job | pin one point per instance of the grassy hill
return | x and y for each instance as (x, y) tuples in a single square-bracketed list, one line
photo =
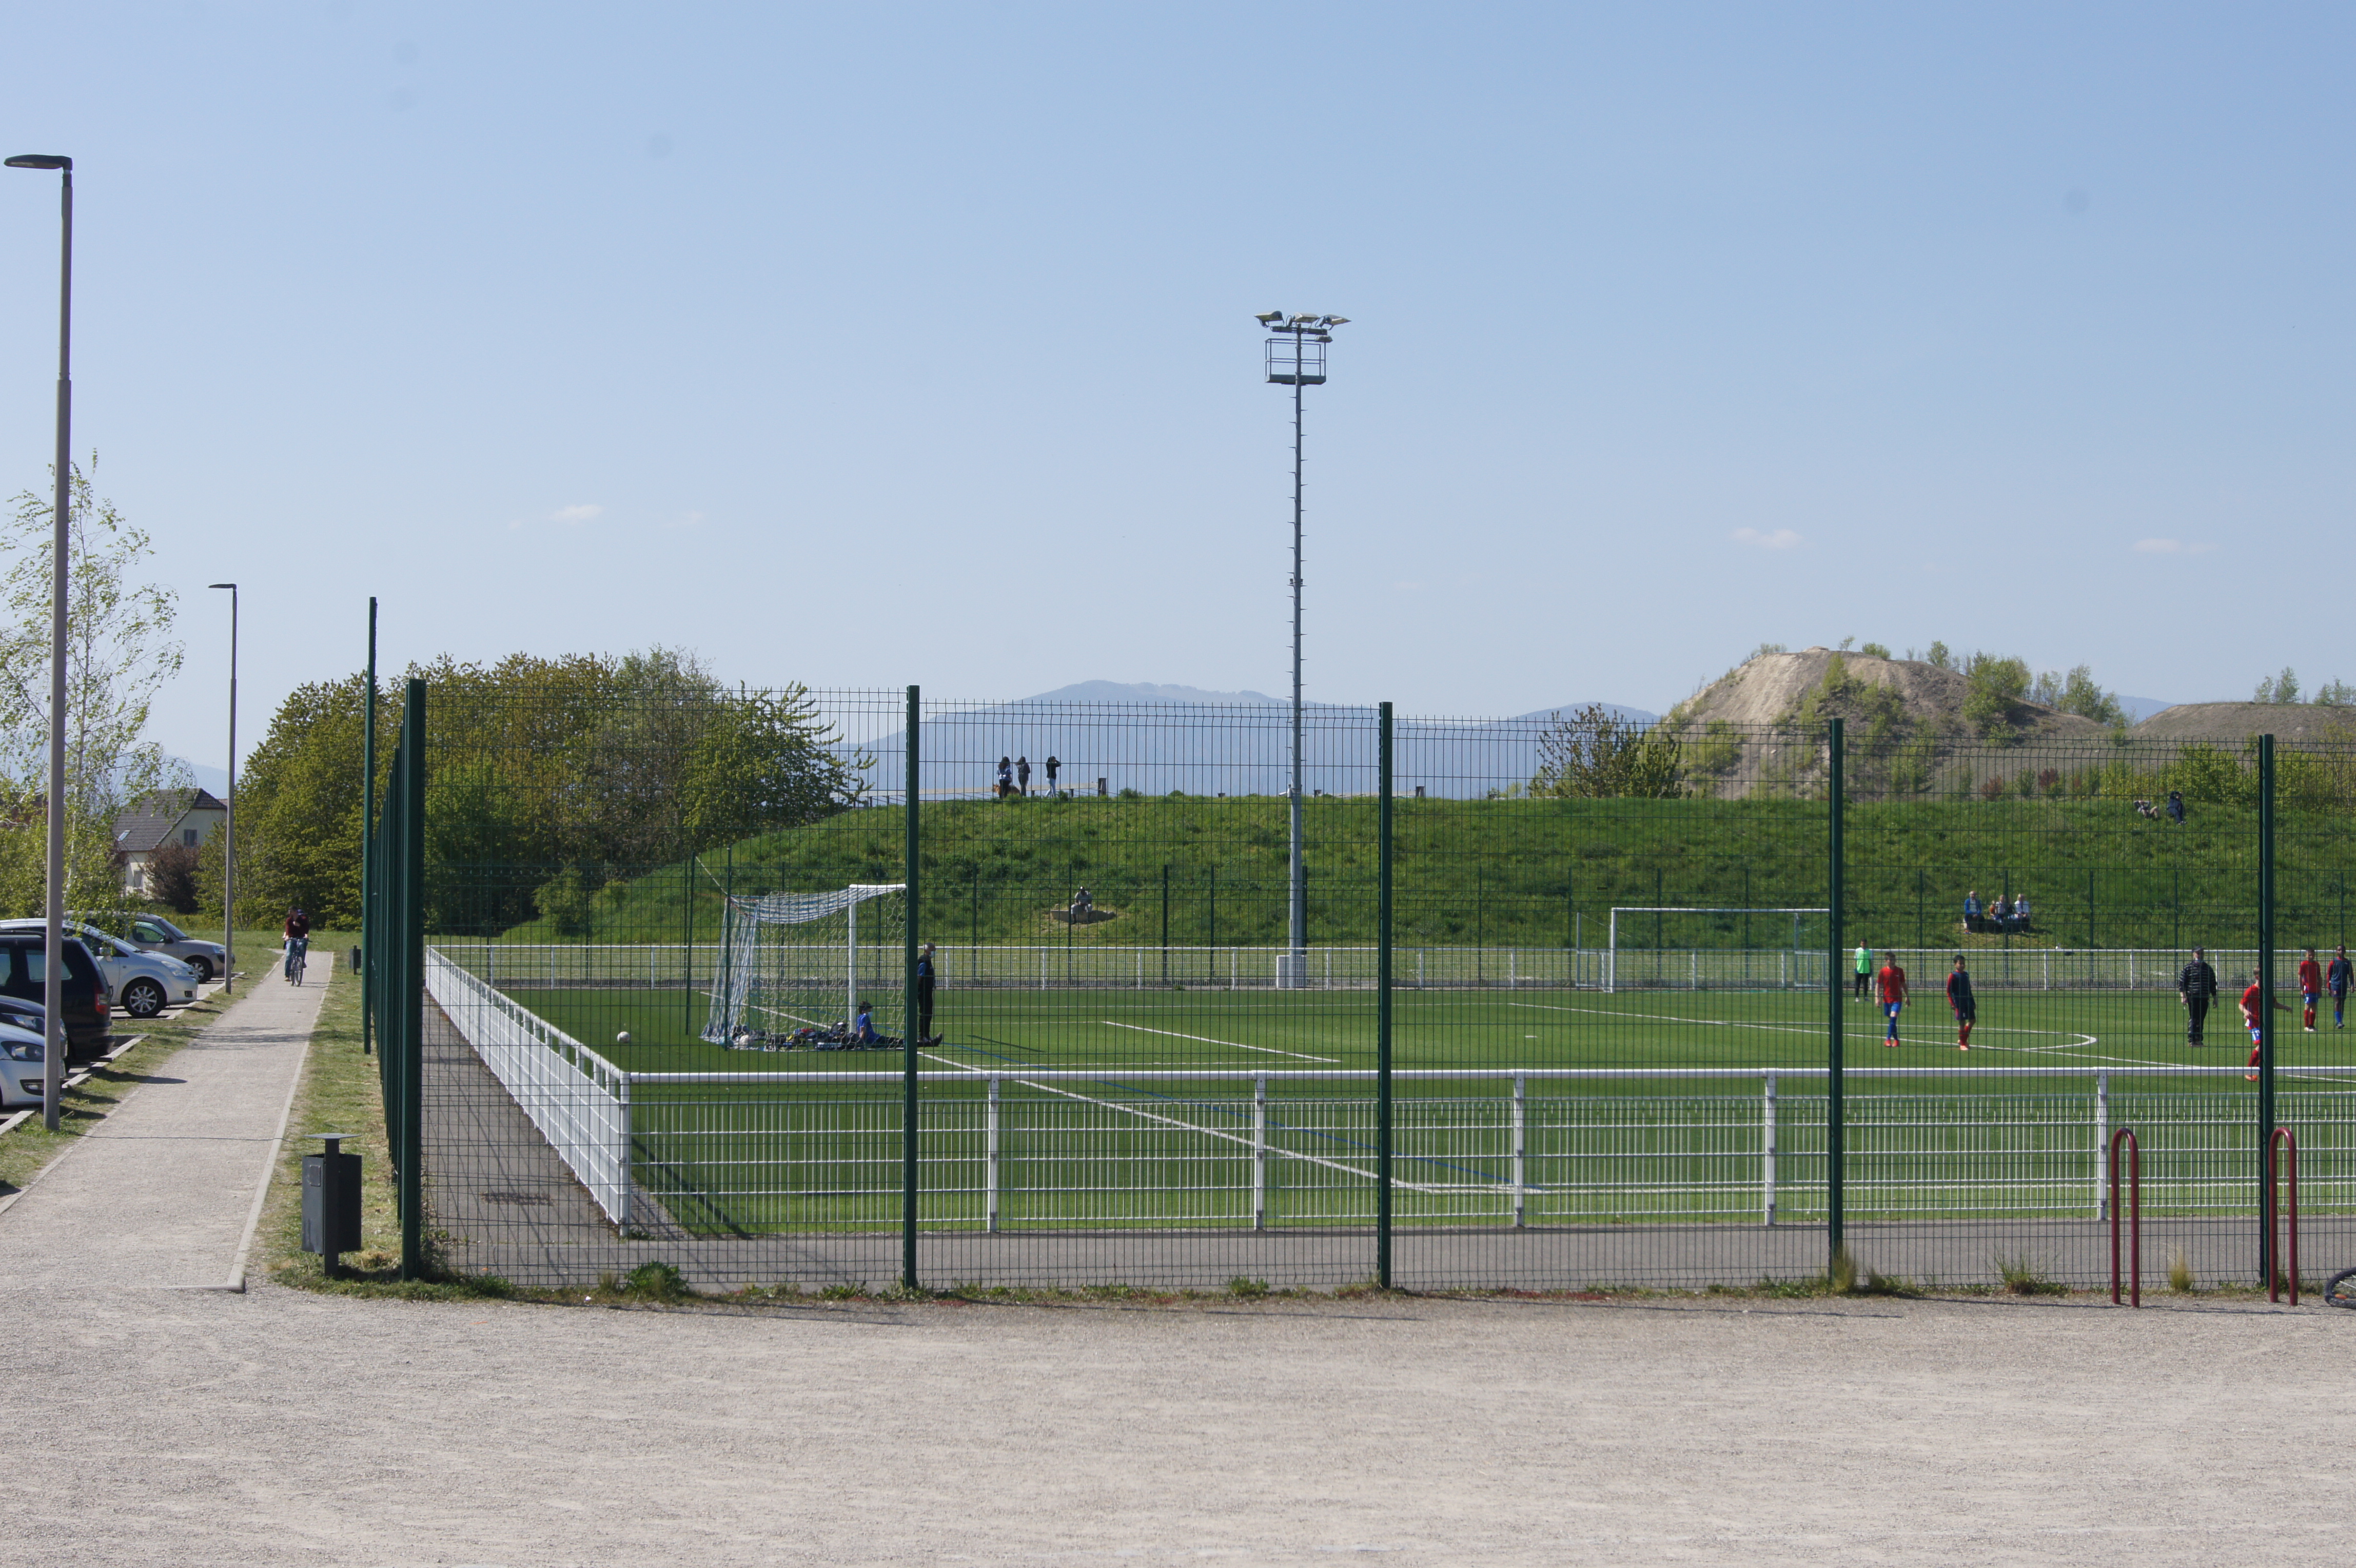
[(1519, 872)]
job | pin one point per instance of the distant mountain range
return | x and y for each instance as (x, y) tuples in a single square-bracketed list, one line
[(1156, 738)]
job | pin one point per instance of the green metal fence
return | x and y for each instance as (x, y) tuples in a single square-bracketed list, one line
[(1573, 1004)]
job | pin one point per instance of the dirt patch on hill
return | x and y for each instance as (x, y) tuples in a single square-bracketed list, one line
[(2231, 724), (1759, 726)]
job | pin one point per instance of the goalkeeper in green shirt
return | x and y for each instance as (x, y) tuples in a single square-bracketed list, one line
[(1864, 971)]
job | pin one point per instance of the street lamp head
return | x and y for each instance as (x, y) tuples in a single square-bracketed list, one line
[(40, 160)]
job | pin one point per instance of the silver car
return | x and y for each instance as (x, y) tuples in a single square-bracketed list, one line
[(156, 934), (141, 983), (21, 1065)]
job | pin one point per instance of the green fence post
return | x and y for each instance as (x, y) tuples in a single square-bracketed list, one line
[(409, 942), (1383, 1004), (368, 843), (908, 1146), (1836, 1131), (2266, 1263)]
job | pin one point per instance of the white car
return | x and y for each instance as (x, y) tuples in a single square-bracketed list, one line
[(141, 983), (21, 1066)]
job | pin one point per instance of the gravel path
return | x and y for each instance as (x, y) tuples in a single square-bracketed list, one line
[(200, 1427), (277, 1428)]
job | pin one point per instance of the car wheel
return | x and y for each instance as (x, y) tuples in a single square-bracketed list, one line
[(204, 968), (143, 999)]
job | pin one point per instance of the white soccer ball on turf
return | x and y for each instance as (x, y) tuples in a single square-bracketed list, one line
[(622, 1036)]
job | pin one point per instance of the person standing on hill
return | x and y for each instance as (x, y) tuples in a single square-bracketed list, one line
[(1864, 971), (2196, 988), (1005, 777), (1023, 774), (2335, 979), (2310, 987), (1959, 998), (1051, 765), (1893, 998)]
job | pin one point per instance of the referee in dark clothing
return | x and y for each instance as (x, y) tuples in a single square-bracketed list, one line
[(924, 975), (2196, 987)]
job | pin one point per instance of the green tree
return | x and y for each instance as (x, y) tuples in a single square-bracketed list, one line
[(1594, 754), (120, 650), (2282, 687), (1997, 688)]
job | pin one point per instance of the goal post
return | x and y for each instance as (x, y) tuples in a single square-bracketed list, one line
[(794, 960), (1611, 949)]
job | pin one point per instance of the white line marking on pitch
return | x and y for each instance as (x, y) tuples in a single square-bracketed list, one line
[(1206, 1039), (2070, 1041)]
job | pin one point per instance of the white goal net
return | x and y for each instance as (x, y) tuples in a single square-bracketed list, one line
[(790, 961)]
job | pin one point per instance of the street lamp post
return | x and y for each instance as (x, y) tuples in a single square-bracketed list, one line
[(229, 827), (1296, 358), (53, 1056)]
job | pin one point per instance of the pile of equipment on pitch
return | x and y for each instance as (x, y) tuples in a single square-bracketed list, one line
[(833, 1038)]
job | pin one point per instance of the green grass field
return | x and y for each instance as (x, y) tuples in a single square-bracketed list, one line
[(1682, 1140)]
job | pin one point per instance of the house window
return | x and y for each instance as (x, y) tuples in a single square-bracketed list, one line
[(188, 837)]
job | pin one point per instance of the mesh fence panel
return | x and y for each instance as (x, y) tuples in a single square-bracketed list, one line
[(1627, 1029)]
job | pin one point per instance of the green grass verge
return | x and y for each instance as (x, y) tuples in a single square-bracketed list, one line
[(27, 1150), (339, 1094)]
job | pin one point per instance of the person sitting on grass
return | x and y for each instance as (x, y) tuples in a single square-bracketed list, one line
[(2020, 914), (1972, 910), (862, 1029), (1959, 999)]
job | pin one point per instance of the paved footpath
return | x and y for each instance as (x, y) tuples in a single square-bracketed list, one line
[(161, 1194)]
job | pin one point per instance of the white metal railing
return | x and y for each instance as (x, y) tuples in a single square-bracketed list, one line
[(578, 1099), (1265, 1149)]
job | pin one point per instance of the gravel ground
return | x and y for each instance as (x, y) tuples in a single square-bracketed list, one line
[(197, 1427)]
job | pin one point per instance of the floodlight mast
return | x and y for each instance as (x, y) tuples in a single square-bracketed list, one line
[(1296, 358)]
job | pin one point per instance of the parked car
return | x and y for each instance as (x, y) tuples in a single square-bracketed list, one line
[(156, 934), (21, 1066), (141, 983), (88, 1011)]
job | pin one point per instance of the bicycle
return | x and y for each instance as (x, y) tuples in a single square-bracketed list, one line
[(2340, 1289), (297, 951)]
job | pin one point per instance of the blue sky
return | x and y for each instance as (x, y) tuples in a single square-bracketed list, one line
[(863, 345)]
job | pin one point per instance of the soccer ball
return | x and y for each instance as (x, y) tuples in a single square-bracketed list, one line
[(622, 1038)]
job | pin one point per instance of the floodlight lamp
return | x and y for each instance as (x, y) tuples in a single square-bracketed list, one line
[(40, 160), (1337, 321), (1268, 317)]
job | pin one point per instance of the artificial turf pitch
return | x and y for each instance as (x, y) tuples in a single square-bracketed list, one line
[(1683, 1141)]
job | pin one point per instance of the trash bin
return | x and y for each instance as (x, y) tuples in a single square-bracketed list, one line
[(331, 1200)]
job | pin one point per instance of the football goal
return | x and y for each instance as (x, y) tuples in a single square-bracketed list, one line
[(806, 960), (1690, 947)]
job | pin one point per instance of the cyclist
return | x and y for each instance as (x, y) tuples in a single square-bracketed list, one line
[(298, 942)]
